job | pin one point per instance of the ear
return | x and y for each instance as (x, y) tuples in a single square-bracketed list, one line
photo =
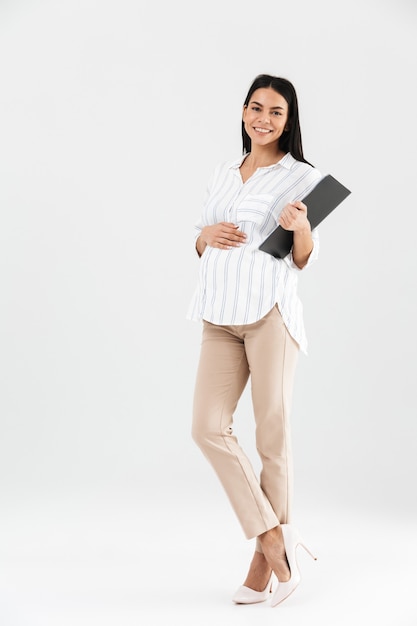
[(245, 108)]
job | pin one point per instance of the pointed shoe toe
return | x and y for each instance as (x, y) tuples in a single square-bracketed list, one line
[(246, 595)]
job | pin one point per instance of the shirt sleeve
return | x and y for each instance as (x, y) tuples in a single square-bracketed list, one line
[(289, 260), (197, 231), (198, 226)]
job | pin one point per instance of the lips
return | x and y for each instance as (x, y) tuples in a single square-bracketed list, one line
[(264, 131)]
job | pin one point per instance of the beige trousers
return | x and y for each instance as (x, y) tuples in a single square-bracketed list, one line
[(267, 353)]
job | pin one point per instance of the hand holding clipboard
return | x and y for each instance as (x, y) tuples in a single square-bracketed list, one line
[(320, 202)]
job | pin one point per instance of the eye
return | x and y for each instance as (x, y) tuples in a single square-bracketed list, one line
[(255, 108), (277, 113)]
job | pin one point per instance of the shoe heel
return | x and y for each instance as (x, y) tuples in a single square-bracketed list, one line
[(292, 540), (308, 551)]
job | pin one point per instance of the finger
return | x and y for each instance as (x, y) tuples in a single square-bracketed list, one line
[(221, 246), (230, 228), (239, 236), (283, 222), (289, 213), (229, 225), (226, 241), (288, 221), (234, 236), (300, 206)]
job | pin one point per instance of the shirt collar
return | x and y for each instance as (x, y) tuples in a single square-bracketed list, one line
[(287, 161)]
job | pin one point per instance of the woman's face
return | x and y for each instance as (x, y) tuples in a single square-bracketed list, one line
[(265, 116)]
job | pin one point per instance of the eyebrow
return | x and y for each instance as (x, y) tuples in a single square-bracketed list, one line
[(261, 105)]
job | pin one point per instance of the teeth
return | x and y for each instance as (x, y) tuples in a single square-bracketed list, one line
[(262, 130)]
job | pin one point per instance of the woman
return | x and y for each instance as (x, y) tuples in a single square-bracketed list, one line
[(253, 325)]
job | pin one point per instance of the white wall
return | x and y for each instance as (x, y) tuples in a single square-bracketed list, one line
[(113, 115)]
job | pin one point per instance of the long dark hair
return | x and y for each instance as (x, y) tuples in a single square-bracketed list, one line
[(290, 140)]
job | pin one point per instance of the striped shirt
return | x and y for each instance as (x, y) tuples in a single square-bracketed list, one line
[(241, 285)]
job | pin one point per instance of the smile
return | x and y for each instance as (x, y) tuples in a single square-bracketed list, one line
[(262, 130)]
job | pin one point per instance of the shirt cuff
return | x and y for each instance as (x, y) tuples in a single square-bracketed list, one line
[(197, 233)]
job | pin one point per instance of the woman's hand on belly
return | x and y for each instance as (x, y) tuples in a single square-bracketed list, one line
[(224, 235)]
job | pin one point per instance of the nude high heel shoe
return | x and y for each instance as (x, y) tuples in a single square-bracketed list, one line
[(246, 595), (292, 539)]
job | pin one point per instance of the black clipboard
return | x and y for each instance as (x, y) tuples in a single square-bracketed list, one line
[(320, 202)]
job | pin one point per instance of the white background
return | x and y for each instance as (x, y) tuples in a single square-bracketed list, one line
[(112, 117)]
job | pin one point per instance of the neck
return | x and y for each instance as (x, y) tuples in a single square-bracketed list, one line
[(264, 158)]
